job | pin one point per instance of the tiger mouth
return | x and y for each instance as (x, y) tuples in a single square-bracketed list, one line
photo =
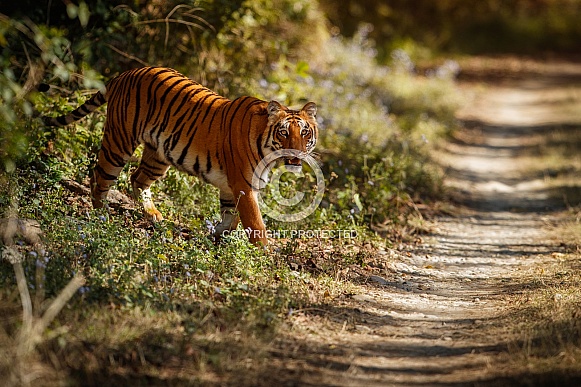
[(293, 162)]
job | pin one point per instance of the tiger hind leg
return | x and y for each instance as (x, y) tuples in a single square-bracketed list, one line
[(151, 168), (228, 213), (109, 165)]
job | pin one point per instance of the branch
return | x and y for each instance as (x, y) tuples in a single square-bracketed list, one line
[(126, 55), (57, 305)]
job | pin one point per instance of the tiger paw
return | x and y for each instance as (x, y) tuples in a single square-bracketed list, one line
[(153, 214)]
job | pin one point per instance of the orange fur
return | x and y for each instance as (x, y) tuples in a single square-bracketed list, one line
[(188, 126)]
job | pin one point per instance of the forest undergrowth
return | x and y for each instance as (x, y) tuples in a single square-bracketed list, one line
[(163, 301)]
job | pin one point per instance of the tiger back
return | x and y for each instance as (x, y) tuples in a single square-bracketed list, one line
[(186, 125)]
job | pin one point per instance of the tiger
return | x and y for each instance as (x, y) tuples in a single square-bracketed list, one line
[(190, 127)]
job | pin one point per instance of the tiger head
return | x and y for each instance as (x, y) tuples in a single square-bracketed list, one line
[(292, 129)]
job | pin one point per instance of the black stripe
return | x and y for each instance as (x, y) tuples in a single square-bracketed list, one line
[(198, 109), (104, 174), (62, 120), (252, 157), (239, 102), (194, 127), (168, 110), (226, 203), (191, 111), (88, 107), (153, 109), (135, 127), (217, 155), (113, 158), (151, 167), (259, 145), (208, 163), (121, 141), (210, 109), (151, 175)]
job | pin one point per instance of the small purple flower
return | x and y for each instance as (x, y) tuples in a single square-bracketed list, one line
[(83, 289)]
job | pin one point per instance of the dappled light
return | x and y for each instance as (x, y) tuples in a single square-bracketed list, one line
[(443, 244)]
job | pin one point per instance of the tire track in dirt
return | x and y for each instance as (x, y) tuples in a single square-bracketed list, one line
[(441, 314)]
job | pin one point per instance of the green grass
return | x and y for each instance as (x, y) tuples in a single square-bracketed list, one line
[(166, 288), (156, 291)]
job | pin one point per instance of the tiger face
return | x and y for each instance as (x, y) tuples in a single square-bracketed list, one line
[(292, 129)]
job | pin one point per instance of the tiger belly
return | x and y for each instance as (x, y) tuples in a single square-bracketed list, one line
[(218, 179), (198, 164)]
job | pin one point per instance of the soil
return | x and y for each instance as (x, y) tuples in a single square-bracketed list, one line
[(443, 313)]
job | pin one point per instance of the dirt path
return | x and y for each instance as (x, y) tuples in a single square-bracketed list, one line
[(441, 314)]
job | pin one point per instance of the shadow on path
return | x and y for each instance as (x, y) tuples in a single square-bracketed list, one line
[(442, 314)]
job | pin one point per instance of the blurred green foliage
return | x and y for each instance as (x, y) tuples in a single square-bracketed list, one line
[(460, 26), (210, 40)]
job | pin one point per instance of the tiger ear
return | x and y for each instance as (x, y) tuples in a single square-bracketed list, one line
[(273, 108), (310, 109)]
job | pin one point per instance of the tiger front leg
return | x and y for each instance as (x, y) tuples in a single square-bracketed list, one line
[(251, 217), (229, 215)]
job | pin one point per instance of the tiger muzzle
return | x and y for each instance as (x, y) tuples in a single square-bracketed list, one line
[(293, 161), (293, 164)]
